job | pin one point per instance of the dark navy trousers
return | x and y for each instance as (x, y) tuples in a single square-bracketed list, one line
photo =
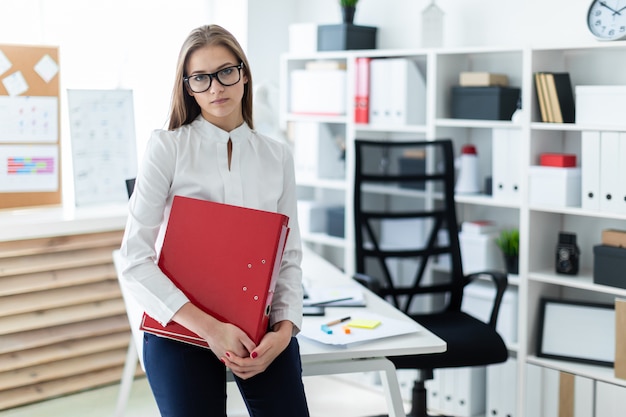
[(189, 381)]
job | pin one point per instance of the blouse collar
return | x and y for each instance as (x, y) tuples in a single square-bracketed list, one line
[(239, 134)]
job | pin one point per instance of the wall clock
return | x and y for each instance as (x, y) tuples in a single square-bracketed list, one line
[(606, 19)]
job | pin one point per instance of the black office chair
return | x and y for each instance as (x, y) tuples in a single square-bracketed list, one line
[(401, 230)]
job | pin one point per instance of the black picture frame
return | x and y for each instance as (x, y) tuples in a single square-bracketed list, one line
[(576, 331)]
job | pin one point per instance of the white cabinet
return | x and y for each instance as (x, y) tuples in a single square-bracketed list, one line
[(506, 151)]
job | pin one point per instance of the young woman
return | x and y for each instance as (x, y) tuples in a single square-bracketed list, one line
[(210, 151)]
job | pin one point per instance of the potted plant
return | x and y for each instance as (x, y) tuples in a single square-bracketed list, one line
[(508, 242), (348, 7)]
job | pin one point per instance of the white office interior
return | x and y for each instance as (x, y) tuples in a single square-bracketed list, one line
[(133, 45)]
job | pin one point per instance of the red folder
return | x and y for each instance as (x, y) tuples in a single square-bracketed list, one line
[(362, 90), (226, 260)]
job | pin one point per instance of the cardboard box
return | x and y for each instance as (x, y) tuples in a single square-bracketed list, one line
[(553, 186), (482, 79), (316, 153), (613, 237), (479, 252), (345, 36), (312, 216), (485, 103), (609, 264), (557, 160), (318, 92), (600, 104)]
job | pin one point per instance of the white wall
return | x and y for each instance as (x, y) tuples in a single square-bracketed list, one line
[(134, 43), (467, 22)]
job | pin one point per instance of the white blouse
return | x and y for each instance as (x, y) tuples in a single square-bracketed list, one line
[(192, 161)]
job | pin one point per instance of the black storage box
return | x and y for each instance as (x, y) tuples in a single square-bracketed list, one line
[(412, 166), (345, 36), (609, 266), (485, 103), (335, 221)]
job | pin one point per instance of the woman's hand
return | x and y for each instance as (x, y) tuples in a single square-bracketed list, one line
[(272, 345), (223, 338)]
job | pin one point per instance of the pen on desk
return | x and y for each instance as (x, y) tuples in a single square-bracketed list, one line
[(332, 323), (322, 303)]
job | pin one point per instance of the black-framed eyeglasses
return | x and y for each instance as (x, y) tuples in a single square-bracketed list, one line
[(199, 83)]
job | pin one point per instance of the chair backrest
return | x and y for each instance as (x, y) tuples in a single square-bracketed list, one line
[(405, 221), (133, 310)]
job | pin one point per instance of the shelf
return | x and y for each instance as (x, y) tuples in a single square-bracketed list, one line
[(291, 117), (588, 64), (395, 191), (324, 239), (484, 124), (573, 127), (330, 184), (600, 373), (390, 128), (485, 200), (577, 211), (583, 281)]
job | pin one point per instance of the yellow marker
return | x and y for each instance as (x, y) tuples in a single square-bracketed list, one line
[(364, 323)]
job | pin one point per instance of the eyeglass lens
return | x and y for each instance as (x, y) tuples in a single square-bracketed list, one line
[(202, 82)]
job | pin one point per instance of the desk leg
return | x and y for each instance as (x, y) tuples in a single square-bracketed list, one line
[(128, 376), (382, 365)]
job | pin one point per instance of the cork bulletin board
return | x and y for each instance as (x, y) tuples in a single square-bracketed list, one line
[(30, 146)]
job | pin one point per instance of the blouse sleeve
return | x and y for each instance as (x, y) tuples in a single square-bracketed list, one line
[(287, 303), (147, 209)]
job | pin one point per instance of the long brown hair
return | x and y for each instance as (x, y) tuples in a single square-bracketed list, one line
[(184, 109)]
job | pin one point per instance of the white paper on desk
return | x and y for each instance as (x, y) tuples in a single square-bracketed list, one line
[(388, 327), (350, 294)]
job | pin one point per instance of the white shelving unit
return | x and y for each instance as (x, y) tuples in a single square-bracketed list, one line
[(591, 64)]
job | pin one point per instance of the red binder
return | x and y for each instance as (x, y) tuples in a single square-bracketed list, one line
[(226, 260), (362, 90)]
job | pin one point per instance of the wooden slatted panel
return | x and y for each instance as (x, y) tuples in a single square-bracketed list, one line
[(64, 350), (54, 261), (63, 324), (58, 316), (59, 243), (60, 297), (39, 392), (17, 342), (40, 281), (62, 369)]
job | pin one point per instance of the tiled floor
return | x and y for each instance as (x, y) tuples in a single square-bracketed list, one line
[(328, 396)]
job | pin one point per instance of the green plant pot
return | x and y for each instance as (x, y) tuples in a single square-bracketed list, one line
[(512, 264), (347, 12)]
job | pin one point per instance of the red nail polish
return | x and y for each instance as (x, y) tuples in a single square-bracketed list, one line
[(228, 354), (222, 359), (254, 355)]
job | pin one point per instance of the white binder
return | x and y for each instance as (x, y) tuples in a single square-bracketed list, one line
[(590, 170), (609, 169), (502, 389), (380, 95), (506, 164), (397, 92), (610, 400), (621, 191)]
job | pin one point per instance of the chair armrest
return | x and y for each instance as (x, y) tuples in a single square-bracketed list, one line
[(500, 281)]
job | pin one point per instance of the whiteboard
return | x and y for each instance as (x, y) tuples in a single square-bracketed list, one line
[(104, 151)]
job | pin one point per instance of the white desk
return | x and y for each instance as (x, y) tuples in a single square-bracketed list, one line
[(321, 359)]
